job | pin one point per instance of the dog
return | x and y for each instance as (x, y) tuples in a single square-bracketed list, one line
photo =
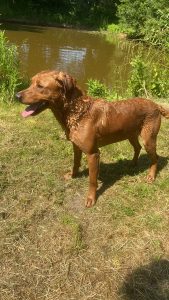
[(91, 123)]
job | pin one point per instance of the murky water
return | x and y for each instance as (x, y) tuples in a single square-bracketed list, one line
[(82, 54)]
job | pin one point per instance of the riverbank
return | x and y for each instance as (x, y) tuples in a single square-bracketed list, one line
[(127, 69), (45, 24), (65, 14), (147, 21)]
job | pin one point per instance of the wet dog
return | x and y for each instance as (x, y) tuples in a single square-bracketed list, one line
[(92, 123)]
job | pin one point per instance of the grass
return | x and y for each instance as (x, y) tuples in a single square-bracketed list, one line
[(9, 74), (51, 247)]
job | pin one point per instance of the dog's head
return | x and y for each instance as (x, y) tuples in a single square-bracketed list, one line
[(46, 89)]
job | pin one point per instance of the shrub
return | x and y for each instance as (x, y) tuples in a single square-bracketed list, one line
[(159, 83), (146, 19), (114, 28), (156, 29), (147, 78), (132, 15), (9, 72), (139, 77), (98, 89)]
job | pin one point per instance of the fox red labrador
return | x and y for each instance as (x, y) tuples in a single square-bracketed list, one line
[(92, 123)]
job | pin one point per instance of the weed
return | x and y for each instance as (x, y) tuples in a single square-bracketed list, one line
[(148, 78), (77, 230), (98, 89), (9, 73)]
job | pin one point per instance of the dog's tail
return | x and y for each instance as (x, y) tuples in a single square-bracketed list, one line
[(164, 110)]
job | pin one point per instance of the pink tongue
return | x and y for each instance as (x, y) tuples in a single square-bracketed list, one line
[(27, 113), (29, 110)]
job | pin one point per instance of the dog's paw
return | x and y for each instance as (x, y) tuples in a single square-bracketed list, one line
[(89, 202), (150, 178), (68, 176)]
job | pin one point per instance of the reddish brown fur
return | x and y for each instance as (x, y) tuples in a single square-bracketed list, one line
[(92, 123)]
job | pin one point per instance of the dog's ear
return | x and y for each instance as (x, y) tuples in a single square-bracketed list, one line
[(66, 80)]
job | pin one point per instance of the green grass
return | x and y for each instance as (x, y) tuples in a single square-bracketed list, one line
[(51, 246), (9, 74)]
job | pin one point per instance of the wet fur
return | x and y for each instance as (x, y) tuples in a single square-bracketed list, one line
[(92, 123)]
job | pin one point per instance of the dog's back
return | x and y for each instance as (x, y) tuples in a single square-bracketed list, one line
[(120, 120)]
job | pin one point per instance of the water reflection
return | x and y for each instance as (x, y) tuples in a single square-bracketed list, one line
[(83, 54), (70, 58)]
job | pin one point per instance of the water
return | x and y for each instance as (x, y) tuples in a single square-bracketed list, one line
[(82, 54)]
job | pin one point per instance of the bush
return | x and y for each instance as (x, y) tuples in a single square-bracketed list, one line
[(98, 89), (148, 78), (146, 19), (132, 15), (139, 77), (156, 29), (114, 28), (95, 13), (9, 72)]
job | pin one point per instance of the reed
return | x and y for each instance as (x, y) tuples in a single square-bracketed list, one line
[(9, 69)]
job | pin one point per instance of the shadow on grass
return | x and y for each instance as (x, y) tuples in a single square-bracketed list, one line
[(150, 282), (112, 172)]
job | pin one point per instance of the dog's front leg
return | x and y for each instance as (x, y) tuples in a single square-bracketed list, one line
[(76, 163), (93, 163), (77, 160)]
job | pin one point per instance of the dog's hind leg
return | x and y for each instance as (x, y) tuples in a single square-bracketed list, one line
[(93, 163), (137, 147), (149, 135), (150, 147)]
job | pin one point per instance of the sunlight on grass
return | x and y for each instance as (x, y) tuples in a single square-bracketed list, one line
[(50, 244)]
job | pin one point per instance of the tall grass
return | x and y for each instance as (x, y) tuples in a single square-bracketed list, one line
[(9, 69), (149, 73)]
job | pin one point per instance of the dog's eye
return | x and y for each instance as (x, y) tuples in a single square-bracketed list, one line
[(39, 86)]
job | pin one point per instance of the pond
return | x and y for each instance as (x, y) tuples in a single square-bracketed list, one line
[(83, 54)]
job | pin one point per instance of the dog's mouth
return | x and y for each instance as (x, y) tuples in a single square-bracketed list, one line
[(34, 109)]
